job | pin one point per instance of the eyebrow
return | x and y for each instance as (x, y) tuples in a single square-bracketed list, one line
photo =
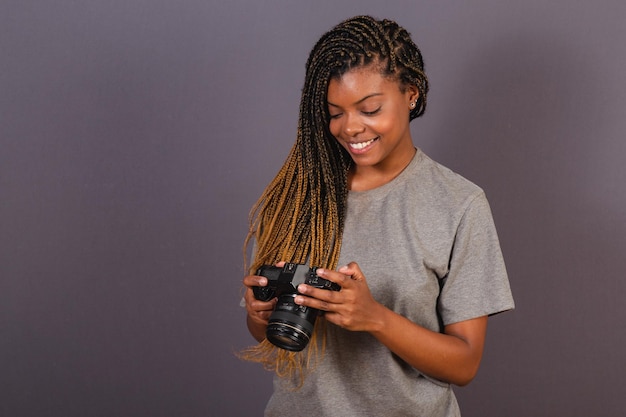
[(359, 101)]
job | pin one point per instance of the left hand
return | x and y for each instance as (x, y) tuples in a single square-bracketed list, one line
[(352, 308)]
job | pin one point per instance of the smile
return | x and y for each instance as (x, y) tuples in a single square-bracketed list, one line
[(361, 145)]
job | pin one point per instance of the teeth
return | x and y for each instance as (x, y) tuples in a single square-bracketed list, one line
[(361, 145)]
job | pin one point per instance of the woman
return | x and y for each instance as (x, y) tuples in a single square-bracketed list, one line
[(411, 244)]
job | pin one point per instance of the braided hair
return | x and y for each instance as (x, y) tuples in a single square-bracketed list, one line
[(299, 217)]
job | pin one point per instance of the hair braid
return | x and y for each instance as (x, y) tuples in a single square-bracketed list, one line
[(300, 216)]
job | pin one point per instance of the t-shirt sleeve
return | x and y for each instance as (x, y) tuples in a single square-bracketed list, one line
[(477, 283)]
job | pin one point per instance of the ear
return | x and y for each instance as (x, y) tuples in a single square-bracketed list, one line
[(412, 93)]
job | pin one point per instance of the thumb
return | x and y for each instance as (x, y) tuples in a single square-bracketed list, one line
[(353, 271)]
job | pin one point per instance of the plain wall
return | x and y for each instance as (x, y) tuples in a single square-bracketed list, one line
[(135, 136)]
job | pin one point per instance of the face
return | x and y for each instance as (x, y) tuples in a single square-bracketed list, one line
[(369, 116)]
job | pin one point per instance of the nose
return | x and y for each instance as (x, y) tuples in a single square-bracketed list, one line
[(352, 125)]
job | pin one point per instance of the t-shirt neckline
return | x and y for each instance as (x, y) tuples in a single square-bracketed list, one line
[(400, 178)]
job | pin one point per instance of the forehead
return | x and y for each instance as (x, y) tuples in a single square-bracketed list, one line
[(360, 82)]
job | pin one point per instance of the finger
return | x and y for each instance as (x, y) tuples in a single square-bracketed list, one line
[(337, 277), (319, 293), (255, 305), (254, 281), (353, 270), (249, 297), (264, 315), (316, 303)]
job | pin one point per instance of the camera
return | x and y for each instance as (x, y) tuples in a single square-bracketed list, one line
[(290, 325)]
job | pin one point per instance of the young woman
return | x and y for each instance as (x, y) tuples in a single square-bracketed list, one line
[(411, 244)]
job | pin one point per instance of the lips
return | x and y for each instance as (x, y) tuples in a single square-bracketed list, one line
[(359, 146)]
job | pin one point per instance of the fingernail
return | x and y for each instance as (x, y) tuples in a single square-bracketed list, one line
[(298, 300)]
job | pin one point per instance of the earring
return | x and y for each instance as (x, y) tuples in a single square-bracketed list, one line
[(412, 105)]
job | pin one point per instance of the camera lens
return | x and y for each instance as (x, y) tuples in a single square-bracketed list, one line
[(290, 325)]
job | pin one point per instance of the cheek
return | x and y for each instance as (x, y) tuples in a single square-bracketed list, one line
[(381, 126), (334, 127)]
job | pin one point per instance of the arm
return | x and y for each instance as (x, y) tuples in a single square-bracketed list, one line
[(452, 356)]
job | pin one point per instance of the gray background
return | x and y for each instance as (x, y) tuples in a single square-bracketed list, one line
[(136, 134)]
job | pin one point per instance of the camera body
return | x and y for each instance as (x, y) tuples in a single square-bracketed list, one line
[(290, 325)]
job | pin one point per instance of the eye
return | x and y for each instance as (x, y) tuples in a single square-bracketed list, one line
[(371, 113), (335, 116)]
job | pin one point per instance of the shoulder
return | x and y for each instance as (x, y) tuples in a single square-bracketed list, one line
[(441, 186)]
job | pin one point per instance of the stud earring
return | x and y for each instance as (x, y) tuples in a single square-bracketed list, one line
[(412, 105)]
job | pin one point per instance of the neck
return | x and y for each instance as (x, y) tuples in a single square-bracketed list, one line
[(363, 178)]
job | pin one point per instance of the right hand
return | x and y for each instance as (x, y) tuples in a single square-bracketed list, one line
[(258, 311)]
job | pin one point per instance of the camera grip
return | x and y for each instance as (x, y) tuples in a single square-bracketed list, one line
[(263, 293)]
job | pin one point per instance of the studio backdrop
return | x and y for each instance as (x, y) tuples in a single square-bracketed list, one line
[(136, 135)]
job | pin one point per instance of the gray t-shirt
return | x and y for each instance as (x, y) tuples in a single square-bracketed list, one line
[(428, 247)]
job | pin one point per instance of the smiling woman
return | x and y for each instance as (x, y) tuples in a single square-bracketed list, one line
[(411, 244), (369, 116)]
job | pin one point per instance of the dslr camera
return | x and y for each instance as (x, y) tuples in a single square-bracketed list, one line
[(290, 325)]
